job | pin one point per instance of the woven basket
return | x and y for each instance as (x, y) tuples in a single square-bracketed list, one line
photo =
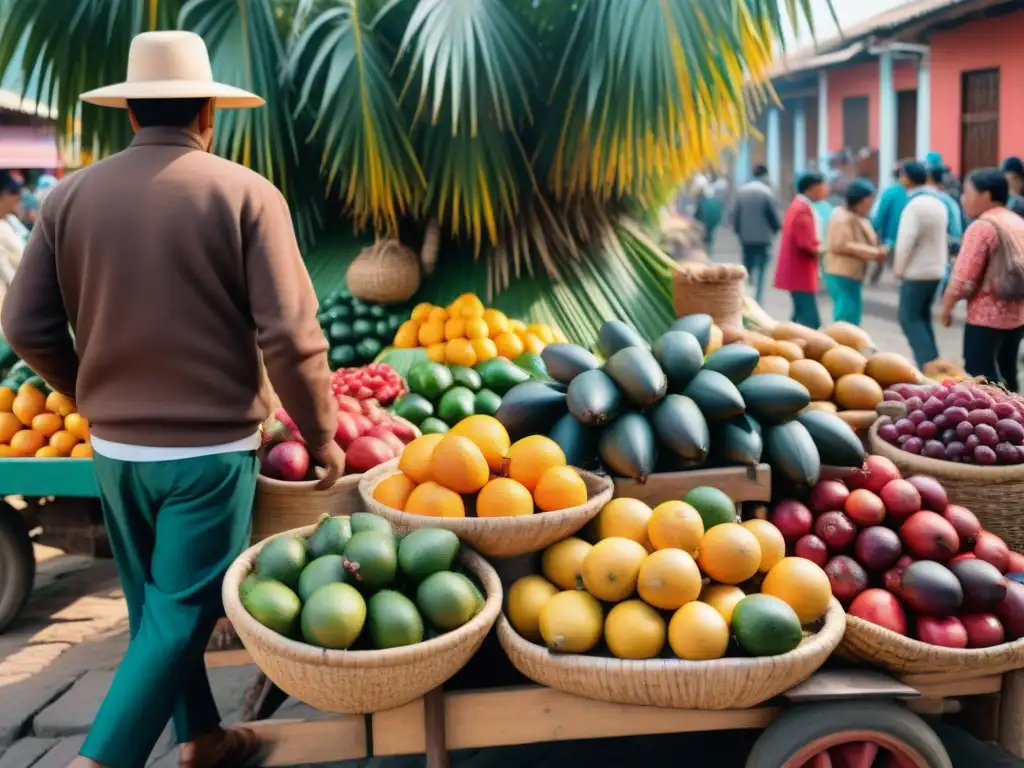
[(718, 684), (903, 655), (496, 536), (994, 494), (715, 290), (358, 682), (282, 506)]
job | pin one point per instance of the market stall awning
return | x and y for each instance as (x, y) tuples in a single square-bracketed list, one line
[(28, 148)]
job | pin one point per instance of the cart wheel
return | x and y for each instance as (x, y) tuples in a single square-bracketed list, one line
[(858, 734), (17, 565)]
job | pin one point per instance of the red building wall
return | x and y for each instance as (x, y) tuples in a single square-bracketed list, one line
[(862, 80)]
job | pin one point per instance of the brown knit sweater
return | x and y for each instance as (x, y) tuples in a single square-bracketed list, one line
[(175, 269)]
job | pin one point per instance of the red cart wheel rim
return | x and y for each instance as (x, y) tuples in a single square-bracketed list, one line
[(857, 749)]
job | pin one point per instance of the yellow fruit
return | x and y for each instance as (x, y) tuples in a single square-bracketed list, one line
[(773, 546), (47, 424), (408, 335), (472, 308), (421, 312), (436, 352), (669, 579), (509, 345), (476, 328), (560, 488), (611, 568), (526, 597), (455, 328), (502, 497), (432, 500), (26, 442), (697, 632), (437, 315), (628, 518), (531, 457), (517, 326), (496, 321), (634, 630), (675, 524), (729, 553), (10, 425), (723, 598), (81, 451), (485, 349), (489, 435), (47, 452), (6, 399), (77, 425), (28, 403), (560, 338), (533, 345), (431, 332), (562, 563), (394, 491), (802, 584), (571, 622), (542, 332), (458, 464), (6, 452), (414, 462), (64, 442), (460, 352)]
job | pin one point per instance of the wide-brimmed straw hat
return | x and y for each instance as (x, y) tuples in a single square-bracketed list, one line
[(170, 65)]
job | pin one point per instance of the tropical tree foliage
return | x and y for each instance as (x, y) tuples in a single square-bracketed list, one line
[(537, 133)]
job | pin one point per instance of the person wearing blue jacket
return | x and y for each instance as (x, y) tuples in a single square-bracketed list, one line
[(886, 219), (955, 229)]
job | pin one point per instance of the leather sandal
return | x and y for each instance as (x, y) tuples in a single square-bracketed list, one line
[(241, 745)]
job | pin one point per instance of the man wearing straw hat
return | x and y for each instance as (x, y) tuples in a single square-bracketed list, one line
[(177, 271)]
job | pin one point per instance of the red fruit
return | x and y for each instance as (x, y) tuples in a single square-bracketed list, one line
[(792, 519), (350, 404), (1011, 610), (288, 461), (901, 499), (877, 548), (948, 632), (930, 536), (983, 630), (877, 471), (836, 530), (366, 453), (881, 608), (964, 523), (347, 430), (363, 423), (893, 575), (377, 417), (847, 578), (404, 430), (1015, 563), (368, 403), (963, 556), (829, 495), (992, 549), (383, 433), (810, 547), (865, 508)]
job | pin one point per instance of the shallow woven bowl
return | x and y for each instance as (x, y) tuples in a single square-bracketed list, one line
[(720, 684), (357, 682), (496, 536), (282, 506), (906, 656)]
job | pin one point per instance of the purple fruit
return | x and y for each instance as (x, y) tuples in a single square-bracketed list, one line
[(888, 432), (892, 396), (947, 436), (917, 417), (986, 434), (877, 548), (983, 585), (1004, 410), (983, 416), (955, 451), (906, 427), (1007, 454), (927, 430), (956, 414), (902, 440), (942, 421), (1009, 431), (964, 430), (983, 454), (933, 449), (931, 589), (914, 445), (971, 443), (950, 399), (932, 407), (914, 403)]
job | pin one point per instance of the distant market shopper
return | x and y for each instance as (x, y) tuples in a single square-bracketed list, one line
[(167, 230), (755, 219), (886, 218), (799, 250), (11, 242), (1013, 169), (850, 246)]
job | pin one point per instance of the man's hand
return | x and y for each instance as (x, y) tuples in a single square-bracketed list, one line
[(946, 317), (332, 459)]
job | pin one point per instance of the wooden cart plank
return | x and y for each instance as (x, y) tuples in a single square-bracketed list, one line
[(301, 742), (1011, 713), (739, 483), (534, 714), (951, 688), (849, 684)]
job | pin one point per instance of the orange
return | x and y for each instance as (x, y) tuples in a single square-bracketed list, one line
[(729, 553), (517, 326), (436, 353), (533, 344), (77, 425), (432, 500), (431, 332), (47, 424), (63, 441), (60, 404), (773, 546), (81, 451), (723, 598), (497, 322), (531, 457), (560, 488), (476, 329), (454, 329), (634, 630), (28, 404), (562, 562), (542, 332), (26, 442), (47, 452), (697, 632), (611, 568), (6, 452), (489, 435), (6, 399), (802, 584), (10, 425), (421, 312), (458, 464), (509, 345), (485, 349), (394, 491), (502, 497), (675, 524), (460, 352), (470, 306), (414, 462), (669, 579), (408, 335), (624, 517), (438, 315)]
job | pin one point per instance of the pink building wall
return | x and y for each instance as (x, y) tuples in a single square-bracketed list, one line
[(984, 44), (862, 80)]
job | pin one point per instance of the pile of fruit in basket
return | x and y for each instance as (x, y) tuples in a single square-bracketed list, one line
[(967, 422), (377, 381), (356, 330), (466, 333), (899, 555), (33, 424), (674, 407), (686, 573), (476, 470), (352, 585)]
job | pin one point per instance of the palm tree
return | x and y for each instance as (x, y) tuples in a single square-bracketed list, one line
[(539, 134)]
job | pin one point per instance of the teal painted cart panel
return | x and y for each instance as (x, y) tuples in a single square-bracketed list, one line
[(48, 477)]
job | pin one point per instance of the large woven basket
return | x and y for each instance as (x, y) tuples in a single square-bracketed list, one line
[(716, 290), (388, 272), (906, 656), (357, 682), (994, 494), (281, 506), (720, 684), (496, 536)]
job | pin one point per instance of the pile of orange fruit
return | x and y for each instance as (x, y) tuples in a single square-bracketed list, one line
[(476, 470), (44, 426)]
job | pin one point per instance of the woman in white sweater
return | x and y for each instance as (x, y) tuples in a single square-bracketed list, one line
[(921, 253)]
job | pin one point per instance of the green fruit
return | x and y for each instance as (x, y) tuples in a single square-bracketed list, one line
[(627, 447), (364, 521), (682, 428), (431, 380), (328, 569), (359, 309), (395, 322), (373, 559), (530, 408), (368, 348), (447, 600), (734, 361), (772, 397), (362, 328), (680, 356), (698, 325), (764, 625), (333, 616), (376, 310), (432, 426), (282, 559), (615, 335), (273, 605), (837, 443), (486, 402), (533, 365), (791, 451), (393, 620), (500, 375), (413, 408), (342, 311), (456, 404), (593, 398), (340, 332), (383, 330), (564, 362), (427, 551), (714, 506), (246, 586), (341, 357), (636, 372), (738, 441), (331, 314), (715, 395), (577, 441), (465, 377), (329, 537)]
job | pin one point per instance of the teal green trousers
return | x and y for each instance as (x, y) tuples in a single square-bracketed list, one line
[(174, 528), (847, 298)]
